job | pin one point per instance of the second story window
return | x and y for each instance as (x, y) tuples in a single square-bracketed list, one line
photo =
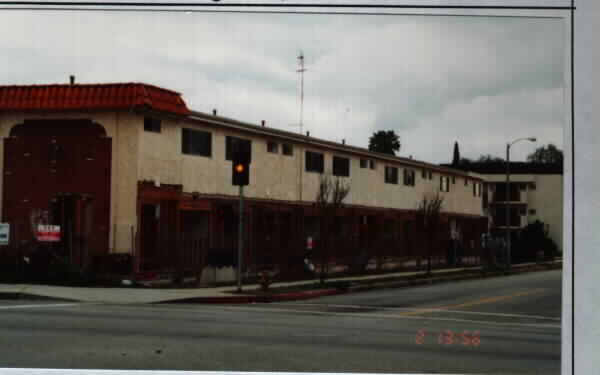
[(314, 162), (409, 177), (391, 175), (372, 164), (152, 124), (364, 163), (430, 175), (444, 185), (423, 174), (272, 147), (341, 166), (232, 143), (287, 149), (196, 142)]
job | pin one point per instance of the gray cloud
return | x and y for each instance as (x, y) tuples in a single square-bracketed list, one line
[(433, 80)]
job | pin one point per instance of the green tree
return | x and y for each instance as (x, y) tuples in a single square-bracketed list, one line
[(489, 158), (456, 157), (549, 154), (385, 142)]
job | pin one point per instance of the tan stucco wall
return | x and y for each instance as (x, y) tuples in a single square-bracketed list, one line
[(123, 166), (275, 176), (547, 200)]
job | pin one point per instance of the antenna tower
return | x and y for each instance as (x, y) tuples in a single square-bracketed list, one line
[(301, 70)]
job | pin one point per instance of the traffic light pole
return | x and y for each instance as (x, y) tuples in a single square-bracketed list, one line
[(240, 240)]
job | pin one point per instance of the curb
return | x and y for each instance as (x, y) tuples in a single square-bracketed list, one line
[(282, 297), (20, 295)]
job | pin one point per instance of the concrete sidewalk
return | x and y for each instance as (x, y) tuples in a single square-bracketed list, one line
[(131, 295)]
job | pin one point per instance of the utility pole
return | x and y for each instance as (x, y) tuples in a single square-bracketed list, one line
[(240, 240)]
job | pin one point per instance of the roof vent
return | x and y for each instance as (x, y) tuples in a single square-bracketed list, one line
[(72, 80), (307, 133), (343, 141), (214, 112), (262, 122)]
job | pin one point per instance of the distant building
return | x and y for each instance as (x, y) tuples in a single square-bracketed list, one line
[(145, 176), (536, 193)]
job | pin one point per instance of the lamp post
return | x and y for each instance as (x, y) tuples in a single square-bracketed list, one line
[(507, 198)]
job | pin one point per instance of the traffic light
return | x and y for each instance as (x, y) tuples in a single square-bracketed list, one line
[(240, 168)]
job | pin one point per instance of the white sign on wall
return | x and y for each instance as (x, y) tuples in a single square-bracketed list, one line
[(4, 233)]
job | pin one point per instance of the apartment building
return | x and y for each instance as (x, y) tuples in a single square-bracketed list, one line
[(535, 193), (127, 168)]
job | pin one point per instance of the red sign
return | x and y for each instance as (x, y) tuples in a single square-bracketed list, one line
[(309, 243), (48, 233)]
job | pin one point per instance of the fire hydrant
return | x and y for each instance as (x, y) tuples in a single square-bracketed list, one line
[(264, 280)]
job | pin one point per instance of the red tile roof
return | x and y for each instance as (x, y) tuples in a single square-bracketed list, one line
[(108, 96)]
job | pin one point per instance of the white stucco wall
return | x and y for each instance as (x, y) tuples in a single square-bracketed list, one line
[(276, 176)]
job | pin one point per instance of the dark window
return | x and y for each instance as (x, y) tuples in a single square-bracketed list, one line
[(532, 212), (341, 166), (287, 149), (364, 163), (430, 175), (391, 175), (314, 162), (424, 174), (372, 164), (409, 177), (272, 147), (234, 142), (453, 180), (532, 186), (152, 124), (196, 142)]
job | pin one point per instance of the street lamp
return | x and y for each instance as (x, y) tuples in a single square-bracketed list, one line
[(507, 220)]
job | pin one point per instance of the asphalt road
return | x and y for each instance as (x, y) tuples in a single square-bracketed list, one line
[(493, 326)]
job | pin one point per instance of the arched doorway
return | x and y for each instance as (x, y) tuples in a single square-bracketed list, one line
[(48, 160)]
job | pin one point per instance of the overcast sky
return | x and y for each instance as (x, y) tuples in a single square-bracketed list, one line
[(434, 80)]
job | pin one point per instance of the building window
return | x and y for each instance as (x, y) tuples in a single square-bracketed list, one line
[(430, 175), (314, 162), (477, 189), (364, 163), (233, 143), (152, 124), (272, 147), (532, 186), (196, 142), (341, 166), (287, 149), (444, 185), (409, 177), (532, 212), (423, 174), (453, 180), (391, 175), (372, 164)]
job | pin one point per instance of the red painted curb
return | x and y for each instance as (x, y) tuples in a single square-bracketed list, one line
[(255, 299)]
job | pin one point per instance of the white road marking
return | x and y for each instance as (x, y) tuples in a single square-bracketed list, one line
[(9, 307), (391, 316), (410, 309)]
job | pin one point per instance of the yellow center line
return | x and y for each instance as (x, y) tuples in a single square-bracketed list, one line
[(480, 301)]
